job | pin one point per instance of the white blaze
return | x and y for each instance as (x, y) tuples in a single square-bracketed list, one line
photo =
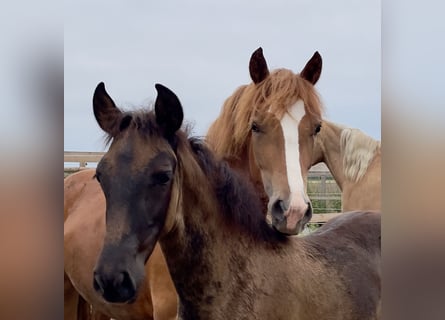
[(289, 125)]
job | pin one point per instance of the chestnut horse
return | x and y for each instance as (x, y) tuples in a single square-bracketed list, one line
[(273, 129), (267, 128), (225, 260)]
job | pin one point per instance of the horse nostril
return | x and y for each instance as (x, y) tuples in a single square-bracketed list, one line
[(117, 287), (278, 210), (279, 206), (308, 213), (126, 281), (283, 206), (97, 283)]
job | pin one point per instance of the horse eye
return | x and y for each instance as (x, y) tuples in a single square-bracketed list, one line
[(161, 178), (255, 127), (318, 128)]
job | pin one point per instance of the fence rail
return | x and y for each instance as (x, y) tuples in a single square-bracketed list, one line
[(322, 189), (82, 158)]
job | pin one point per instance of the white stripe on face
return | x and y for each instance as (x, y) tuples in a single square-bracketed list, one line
[(289, 125)]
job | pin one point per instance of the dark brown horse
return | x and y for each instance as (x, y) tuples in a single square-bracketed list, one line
[(226, 262), (84, 230)]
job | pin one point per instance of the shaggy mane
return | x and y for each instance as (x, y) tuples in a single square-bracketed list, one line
[(280, 90), (143, 120), (358, 150)]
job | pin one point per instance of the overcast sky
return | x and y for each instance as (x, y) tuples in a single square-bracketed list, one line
[(201, 50)]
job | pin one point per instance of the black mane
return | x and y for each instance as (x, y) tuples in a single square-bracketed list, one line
[(238, 200)]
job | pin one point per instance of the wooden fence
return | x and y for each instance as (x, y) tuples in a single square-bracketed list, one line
[(323, 191), (81, 159)]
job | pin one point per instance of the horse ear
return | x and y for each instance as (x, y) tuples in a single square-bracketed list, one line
[(168, 110), (106, 113), (312, 69), (258, 66)]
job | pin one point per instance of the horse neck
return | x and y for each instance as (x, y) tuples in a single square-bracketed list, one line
[(206, 250), (328, 141), (197, 242)]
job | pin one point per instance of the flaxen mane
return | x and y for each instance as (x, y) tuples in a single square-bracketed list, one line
[(275, 94), (358, 150)]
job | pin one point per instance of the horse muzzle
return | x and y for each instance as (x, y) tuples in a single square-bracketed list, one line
[(118, 287), (118, 274), (290, 220)]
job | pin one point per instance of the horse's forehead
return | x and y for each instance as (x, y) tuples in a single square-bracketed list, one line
[(295, 111), (136, 150)]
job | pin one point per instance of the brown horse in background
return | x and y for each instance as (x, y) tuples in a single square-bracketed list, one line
[(225, 260), (354, 159)]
